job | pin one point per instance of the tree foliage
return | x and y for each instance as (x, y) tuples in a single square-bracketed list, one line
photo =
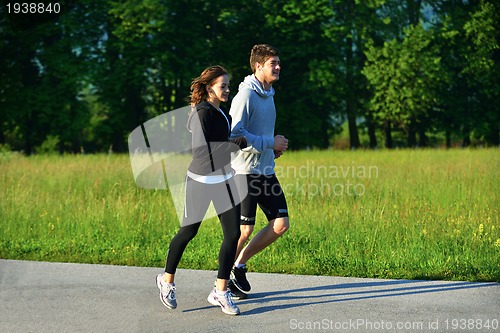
[(405, 77), (83, 78)]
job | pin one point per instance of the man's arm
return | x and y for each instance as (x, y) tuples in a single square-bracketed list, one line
[(240, 112)]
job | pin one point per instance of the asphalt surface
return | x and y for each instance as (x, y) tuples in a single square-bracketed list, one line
[(61, 297)]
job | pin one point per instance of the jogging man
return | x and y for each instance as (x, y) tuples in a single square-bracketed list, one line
[(254, 117)]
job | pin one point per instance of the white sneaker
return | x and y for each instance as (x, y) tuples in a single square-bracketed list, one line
[(167, 292), (224, 301)]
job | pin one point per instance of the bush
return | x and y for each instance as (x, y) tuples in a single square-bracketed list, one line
[(49, 146)]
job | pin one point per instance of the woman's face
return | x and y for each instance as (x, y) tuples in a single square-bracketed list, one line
[(219, 89)]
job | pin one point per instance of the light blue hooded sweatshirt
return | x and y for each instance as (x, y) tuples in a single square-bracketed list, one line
[(254, 117)]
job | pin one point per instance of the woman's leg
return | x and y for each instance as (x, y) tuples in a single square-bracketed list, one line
[(230, 222), (196, 205), (229, 216), (176, 249)]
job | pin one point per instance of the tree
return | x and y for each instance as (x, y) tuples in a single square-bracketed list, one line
[(303, 96), (405, 77), (40, 84), (484, 42), (469, 49), (350, 25)]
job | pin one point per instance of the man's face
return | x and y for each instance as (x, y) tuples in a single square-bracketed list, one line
[(271, 69)]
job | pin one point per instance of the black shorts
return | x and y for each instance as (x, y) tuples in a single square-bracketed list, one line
[(266, 192)]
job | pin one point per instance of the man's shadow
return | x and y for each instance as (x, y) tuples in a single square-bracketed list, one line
[(348, 292), (273, 300)]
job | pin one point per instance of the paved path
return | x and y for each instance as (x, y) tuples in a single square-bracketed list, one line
[(58, 297)]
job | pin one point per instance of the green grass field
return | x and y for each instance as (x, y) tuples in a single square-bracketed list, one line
[(413, 214)]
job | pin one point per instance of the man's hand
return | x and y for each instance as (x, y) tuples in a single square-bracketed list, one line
[(280, 143)]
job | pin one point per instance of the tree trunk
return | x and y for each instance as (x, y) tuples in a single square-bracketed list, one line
[(371, 133), (28, 134), (353, 131), (350, 96), (466, 141), (448, 138), (351, 101), (388, 136), (166, 90), (412, 137), (493, 136), (29, 80), (179, 93), (422, 138), (2, 134)]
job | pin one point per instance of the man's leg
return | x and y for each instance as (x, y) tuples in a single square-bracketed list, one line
[(274, 230), (238, 272), (245, 230), (271, 200), (248, 210)]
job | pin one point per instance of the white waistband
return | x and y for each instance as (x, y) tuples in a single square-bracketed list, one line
[(212, 179)]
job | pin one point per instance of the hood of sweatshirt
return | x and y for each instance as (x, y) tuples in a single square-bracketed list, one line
[(251, 82)]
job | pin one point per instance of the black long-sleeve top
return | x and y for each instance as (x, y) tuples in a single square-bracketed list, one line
[(211, 146)]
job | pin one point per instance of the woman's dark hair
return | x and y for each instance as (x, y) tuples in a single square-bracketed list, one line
[(198, 86)]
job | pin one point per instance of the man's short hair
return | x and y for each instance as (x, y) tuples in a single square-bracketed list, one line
[(260, 53)]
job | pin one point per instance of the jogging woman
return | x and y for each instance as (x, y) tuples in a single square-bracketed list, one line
[(209, 179)]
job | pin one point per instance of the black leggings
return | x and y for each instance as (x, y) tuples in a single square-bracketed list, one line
[(198, 198)]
